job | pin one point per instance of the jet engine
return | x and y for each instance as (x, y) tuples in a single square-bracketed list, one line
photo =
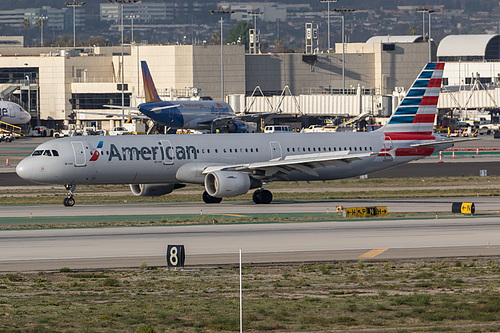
[(224, 184), (153, 190), (237, 126)]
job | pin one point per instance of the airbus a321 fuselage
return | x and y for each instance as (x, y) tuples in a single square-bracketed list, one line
[(231, 164)]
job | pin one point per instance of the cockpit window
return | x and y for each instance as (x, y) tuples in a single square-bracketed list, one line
[(55, 153), (47, 153), (37, 153)]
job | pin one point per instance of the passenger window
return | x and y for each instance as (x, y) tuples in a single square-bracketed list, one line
[(314, 148), (208, 151), (251, 150), (256, 150), (55, 153), (203, 151), (355, 149), (225, 150), (216, 151), (308, 148)]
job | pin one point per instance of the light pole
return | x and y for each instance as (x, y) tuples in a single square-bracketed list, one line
[(132, 17), (328, 2), (255, 12), (342, 11), (221, 12), (74, 4), (122, 2), (429, 11)]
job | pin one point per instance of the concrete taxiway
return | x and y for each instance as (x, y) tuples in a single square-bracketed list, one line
[(33, 250), (418, 205)]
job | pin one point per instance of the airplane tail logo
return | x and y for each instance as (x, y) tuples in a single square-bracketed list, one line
[(150, 92), (417, 111)]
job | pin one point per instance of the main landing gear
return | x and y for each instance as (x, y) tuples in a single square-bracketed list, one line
[(262, 196), (69, 201)]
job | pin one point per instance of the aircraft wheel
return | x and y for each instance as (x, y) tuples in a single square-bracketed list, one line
[(262, 197), (266, 197), (69, 202), (207, 198), (256, 196)]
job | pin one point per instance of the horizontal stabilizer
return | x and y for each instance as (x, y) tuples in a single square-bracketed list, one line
[(439, 143)]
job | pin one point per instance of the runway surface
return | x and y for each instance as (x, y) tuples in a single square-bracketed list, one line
[(34, 250), (419, 205)]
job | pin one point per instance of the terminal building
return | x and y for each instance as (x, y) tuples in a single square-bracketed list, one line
[(52, 82)]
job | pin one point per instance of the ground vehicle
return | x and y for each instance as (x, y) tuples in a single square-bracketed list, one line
[(277, 129), (119, 131), (41, 131), (69, 130)]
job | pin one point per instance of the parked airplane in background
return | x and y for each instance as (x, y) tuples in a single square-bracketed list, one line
[(182, 114), (231, 164), (13, 113)]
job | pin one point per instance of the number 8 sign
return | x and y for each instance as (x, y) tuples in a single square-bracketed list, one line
[(175, 256)]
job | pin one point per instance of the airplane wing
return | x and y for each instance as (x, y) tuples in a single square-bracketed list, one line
[(107, 114), (304, 163), (243, 117)]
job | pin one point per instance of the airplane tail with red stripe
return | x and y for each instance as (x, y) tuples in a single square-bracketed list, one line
[(150, 92), (417, 111)]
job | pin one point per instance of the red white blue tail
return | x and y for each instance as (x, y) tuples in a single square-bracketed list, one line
[(417, 111), (150, 93)]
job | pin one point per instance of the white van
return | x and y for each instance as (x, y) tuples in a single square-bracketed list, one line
[(277, 129)]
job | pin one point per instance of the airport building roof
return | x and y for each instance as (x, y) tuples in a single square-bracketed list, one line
[(469, 48), (396, 39)]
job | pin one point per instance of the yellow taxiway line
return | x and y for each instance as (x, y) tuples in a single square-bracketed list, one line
[(373, 253)]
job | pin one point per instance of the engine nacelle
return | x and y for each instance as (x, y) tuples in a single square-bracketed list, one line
[(224, 184), (237, 126), (153, 190)]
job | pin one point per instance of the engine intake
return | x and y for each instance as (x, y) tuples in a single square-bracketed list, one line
[(224, 184)]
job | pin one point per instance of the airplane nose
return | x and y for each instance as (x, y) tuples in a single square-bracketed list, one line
[(24, 170)]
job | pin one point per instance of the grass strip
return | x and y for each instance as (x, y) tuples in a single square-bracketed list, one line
[(403, 296)]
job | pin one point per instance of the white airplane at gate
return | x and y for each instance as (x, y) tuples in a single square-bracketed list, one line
[(13, 113), (232, 164)]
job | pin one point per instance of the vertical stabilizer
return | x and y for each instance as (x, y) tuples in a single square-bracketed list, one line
[(417, 111), (150, 92)]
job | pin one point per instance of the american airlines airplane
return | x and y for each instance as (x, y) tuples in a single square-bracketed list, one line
[(229, 165), (197, 115), (13, 113)]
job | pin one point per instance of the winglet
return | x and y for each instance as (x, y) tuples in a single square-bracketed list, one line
[(149, 87)]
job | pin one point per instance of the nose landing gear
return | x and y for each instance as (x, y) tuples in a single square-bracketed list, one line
[(69, 201)]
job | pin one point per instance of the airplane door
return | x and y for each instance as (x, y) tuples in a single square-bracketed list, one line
[(78, 149), (275, 150), (168, 152)]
